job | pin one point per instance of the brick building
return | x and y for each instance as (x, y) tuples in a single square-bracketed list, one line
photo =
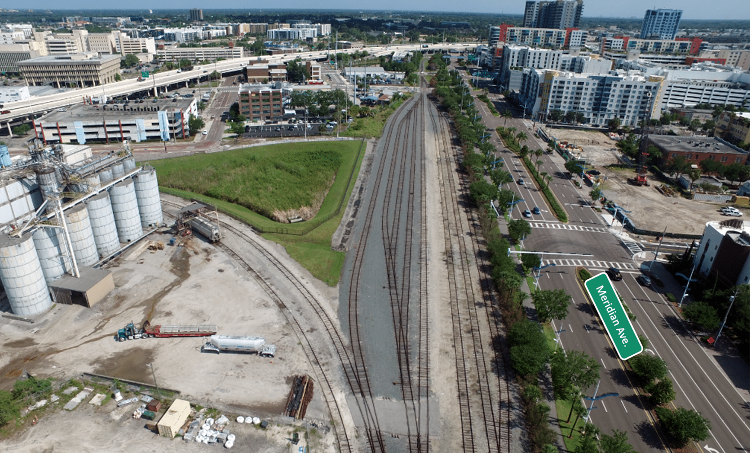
[(696, 149)]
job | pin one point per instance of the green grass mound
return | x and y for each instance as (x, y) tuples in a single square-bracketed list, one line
[(269, 180)]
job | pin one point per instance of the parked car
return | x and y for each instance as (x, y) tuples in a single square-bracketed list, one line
[(733, 213), (526, 213), (520, 181), (644, 280), (614, 274), (205, 132), (536, 210)]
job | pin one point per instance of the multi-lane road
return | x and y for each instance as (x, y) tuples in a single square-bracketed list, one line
[(716, 383)]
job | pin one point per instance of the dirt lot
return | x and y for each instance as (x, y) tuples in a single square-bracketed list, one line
[(598, 148), (650, 209), (189, 284)]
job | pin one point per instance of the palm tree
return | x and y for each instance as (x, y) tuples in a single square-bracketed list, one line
[(544, 175), (538, 163), (521, 136), (538, 153), (507, 114)]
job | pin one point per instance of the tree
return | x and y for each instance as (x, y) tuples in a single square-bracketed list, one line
[(201, 106), (648, 368), (500, 177), (195, 123), (129, 61), (570, 116), (596, 193), (588, 443), (694, 175), (580, 117), (572, 373), (616, 443), (506, 114), (556, 115), (518, 229), (710, 166), (237, 128), (184, 63), (574, 167), (683, 425), (118, 78), (551, 304), (538, 164), (661, 392), (528, 347), (531, 260), (677, 165), (296, 71), (21, 130), (702, 314), (482, 192), (521, 136), (524, 151)]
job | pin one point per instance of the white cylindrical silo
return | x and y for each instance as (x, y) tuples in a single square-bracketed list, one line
[(81, 235), (50, 247), (128, 164), (105, 175), (22, 276), (93, 181), (149, 202), (125, 209), (48, 182), (118, 170), (103, 224)]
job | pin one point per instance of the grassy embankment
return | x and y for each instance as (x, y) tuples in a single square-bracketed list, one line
[(372, 126), (252, 184)]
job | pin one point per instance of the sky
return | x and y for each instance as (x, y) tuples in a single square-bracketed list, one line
[(692, 9)]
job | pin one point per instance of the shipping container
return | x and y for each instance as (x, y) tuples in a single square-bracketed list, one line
[(176, 416)]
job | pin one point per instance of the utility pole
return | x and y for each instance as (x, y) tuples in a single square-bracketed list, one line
[(726, 315), (657, 249), (151, 365)]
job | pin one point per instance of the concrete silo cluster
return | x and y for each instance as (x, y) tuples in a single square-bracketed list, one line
[(63, 211)]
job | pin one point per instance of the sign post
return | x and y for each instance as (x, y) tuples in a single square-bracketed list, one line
[(613, 316)]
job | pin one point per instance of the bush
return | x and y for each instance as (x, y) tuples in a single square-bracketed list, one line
[(702, 315), (648, 368), (662, 392), (682, 425), (584, 274)]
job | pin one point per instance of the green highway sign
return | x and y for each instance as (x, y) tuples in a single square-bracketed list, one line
[(613, 316), (144, 74)]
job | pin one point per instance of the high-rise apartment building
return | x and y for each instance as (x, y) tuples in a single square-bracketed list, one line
[(559, 14), (661, 23), (196, 14)]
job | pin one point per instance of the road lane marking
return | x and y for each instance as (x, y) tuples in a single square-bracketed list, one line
[(623, 406), (571, 328), (674, 379), (605, 407), (605, 366)]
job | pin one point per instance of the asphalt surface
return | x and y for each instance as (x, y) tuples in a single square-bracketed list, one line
[(716, 382)]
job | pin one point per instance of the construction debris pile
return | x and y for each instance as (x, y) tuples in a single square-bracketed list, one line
[(299, 397)]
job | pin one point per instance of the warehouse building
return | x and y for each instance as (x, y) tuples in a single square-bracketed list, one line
[(164, 119), (78, 70), (696, 149)]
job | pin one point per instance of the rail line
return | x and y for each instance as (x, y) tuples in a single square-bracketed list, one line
[(465, 307), (343, 355)]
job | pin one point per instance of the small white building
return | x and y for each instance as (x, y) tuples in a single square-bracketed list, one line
[(12, 94), (724, 251)]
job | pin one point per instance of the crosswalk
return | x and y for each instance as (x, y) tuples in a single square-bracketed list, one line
[(632, 246), (591, 264), (565, 226)]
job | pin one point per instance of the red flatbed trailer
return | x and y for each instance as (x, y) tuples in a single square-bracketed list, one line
[(159, 331)]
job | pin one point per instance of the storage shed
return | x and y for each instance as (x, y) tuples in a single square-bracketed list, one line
[(172, 421)]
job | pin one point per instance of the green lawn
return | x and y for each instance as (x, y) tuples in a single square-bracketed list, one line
[(307, 242), (373, 126)]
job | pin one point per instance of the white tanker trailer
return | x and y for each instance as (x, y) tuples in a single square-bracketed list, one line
[(227, 343)]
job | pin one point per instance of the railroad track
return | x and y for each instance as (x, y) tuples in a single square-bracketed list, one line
[(327, 388), (484, 413)]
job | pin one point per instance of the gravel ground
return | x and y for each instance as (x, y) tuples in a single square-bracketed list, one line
[(598, 148), (191, 284)]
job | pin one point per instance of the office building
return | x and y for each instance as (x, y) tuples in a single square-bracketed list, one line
[(660, 23), (13, 94), (102, 43), (77, 70), (259, 71), (723, 253), (291, 34), (10, 54), (560, 14), (264, 102), (10, 37), (515, 58), (162, 120), (196, 15)]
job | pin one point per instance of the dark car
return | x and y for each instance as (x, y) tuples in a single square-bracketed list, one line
[(614, 274), (645, 281), (536, 210), (520, 181)]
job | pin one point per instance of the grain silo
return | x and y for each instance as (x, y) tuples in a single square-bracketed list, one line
[(105, 175), (103, 224), (51, 250), (118, 170), (125, 209), (81, 235), (147, 193), (128, 164), (22, 276)]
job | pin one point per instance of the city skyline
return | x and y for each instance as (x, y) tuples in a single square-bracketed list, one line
[(692, 9)]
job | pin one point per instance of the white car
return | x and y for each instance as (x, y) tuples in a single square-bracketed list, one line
[(205, 132)]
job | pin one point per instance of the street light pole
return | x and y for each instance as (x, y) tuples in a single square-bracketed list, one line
[(687, 285), (657, 249), (150, 365), (726, 315)]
